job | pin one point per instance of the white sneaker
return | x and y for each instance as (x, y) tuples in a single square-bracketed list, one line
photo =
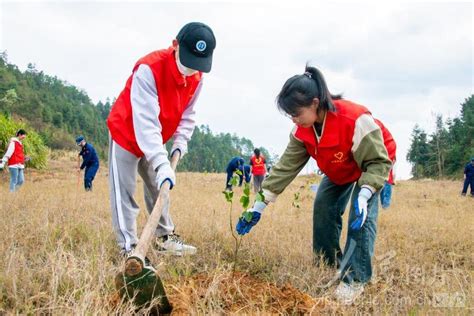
[(348, 293), (172, 244)]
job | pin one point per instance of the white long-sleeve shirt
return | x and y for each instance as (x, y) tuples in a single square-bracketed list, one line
[(9, 153), (145, 112)]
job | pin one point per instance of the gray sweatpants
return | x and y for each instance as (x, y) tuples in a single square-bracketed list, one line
[(123, 167), (257, 183)]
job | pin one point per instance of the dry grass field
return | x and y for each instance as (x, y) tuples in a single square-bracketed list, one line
[(59, 255)]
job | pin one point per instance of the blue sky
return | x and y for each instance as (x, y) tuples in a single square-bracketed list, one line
[(406, 61)]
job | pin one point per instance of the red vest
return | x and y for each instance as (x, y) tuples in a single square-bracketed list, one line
[(18, 157), (258, 165), (174, 94), (333, 153)]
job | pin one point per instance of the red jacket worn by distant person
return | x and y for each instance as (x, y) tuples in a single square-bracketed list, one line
[(258, 165)]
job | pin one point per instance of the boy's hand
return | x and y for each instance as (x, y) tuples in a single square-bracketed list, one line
[(165, 173)]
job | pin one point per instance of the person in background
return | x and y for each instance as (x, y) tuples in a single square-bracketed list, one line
[(234, 165), (156, 105), (386, 192), (349, 148), (247, 175), (90, 162), (257, 161), (15, 157), (468, 178), (391, 146)]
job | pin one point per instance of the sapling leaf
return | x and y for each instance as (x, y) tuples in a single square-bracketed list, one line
[(248, 216), (247, 189), (238, 172), (260, 197), (296, 200), (228, 195), (297, 196), (245, 201), (234, 181)]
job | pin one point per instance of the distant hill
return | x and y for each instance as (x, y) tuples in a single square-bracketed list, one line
[(58, 111)]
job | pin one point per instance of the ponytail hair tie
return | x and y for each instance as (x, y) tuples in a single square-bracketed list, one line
[(308, 74)]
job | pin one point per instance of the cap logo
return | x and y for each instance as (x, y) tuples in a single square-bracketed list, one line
[(201, 45)]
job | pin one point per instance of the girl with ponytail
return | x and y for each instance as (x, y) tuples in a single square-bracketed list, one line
[(349, 148)]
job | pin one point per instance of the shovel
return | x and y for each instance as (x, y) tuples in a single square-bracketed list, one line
[(345, 260), (140, 282)]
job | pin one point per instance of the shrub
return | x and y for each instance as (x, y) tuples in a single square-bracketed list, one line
[(33, 144)]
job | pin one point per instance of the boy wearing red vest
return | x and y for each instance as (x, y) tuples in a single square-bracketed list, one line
[(349, 148), (257, 161), (157, 104), (15, 157)]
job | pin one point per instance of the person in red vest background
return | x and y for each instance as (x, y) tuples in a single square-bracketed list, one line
[(15, 157), (257, 162), (391, 146), (386, 192), (349, 148), (157, 104)]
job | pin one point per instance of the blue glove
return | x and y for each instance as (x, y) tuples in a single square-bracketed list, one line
[(250, 218), (361, 208)]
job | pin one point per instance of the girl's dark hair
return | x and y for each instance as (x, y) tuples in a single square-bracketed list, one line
[(256, 151), (20, 132), (300, 90)]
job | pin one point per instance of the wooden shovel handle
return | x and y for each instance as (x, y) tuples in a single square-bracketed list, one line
[(150, 226)]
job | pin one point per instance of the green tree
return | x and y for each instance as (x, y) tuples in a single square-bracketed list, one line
[(9, 101), (211, 153), (418, 153), (57, 108), (439, 148), (445, 152)]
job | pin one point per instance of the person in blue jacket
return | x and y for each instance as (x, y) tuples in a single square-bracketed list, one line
[(247, 174), (90, 162), (237, 163), (469, 178)]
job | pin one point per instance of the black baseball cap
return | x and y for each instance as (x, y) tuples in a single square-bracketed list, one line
[(196, 45)]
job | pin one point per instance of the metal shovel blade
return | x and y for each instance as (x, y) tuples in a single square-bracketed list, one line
[(144, 288), (345, 261)]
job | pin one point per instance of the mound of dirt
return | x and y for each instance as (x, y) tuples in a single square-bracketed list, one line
[(239, 293)]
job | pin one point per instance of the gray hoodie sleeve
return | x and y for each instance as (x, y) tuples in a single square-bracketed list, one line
[(145, 112)]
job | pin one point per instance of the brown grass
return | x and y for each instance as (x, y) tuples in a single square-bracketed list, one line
[(59, 253)]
